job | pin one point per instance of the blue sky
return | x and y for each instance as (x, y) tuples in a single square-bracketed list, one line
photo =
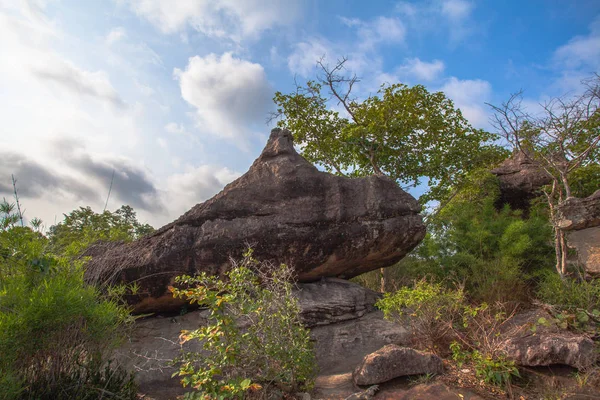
[(173, 95)]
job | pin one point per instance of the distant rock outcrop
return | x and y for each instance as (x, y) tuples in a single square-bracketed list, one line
[(580, 219), (321, 224), (520, 181)]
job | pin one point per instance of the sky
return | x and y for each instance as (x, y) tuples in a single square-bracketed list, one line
[(173, 96)]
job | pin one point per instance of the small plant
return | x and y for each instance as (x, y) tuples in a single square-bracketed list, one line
[(254, 338), (497, 370)]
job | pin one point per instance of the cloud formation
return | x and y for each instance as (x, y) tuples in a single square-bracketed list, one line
[(225, 19), (229, 94), (36, 180), (80, 82), (470, 96)]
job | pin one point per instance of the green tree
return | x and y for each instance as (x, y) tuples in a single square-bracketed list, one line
[(406, 133), (563, 140), (83, 227)]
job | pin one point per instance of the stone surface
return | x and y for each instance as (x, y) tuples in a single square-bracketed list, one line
[(520, 181), (393, 361), (580, 219), (321, 224), (428, 391), (333, 300), (548, 349), (577, 214), (532, 344), (340, 347)]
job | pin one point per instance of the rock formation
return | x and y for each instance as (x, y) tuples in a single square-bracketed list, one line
[(339, 344), (580, 219), (530, 343), (288, 211), (393, 361), (520, 181)]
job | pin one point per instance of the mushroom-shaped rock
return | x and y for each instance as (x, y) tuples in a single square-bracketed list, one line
[(289, 212), (520, 181)]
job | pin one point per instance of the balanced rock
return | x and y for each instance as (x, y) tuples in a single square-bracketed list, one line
[(290, 212), (393, 361), (580, 219), (520, 181)]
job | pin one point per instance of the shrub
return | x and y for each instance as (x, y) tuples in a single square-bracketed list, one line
[(254, 338), (569, 293), (430, 309), (56, 333)]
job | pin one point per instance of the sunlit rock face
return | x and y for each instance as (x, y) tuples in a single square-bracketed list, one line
[(580, 219), (321, 224)]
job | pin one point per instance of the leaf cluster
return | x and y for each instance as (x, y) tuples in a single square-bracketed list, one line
[(406, 133), (254, 339)]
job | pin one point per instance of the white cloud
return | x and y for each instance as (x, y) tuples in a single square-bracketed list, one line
[(195, 185), (422, 70), (78, 81), (229, 94), (581, 51), (231, 19), (470, 96), (457, 9), (452, 18), (381, 30), (115, 35), (304, 58)]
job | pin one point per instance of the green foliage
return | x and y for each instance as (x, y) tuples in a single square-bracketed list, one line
[(254, 337), (569, 294), (404, 132), (496, 370), (55, 331), (83, 227), (429, 308), (494, 253)]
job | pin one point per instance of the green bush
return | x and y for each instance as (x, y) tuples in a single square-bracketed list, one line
[(430, 309), (569, 293), (56, 332), (254, 339)]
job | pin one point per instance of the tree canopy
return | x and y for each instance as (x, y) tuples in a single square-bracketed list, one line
[(406, 133)]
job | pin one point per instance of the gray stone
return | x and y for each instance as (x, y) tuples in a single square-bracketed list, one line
[(520, 181), (321, 224), (393, 361), (580, 219), (333, 300)]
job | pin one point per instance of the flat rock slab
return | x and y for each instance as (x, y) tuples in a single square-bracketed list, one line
[(393, 361), (428, 391), (321, 224)]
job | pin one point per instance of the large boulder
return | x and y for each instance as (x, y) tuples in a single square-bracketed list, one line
[(520, 181), (580, 219), (393, 361), (288, 211)]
